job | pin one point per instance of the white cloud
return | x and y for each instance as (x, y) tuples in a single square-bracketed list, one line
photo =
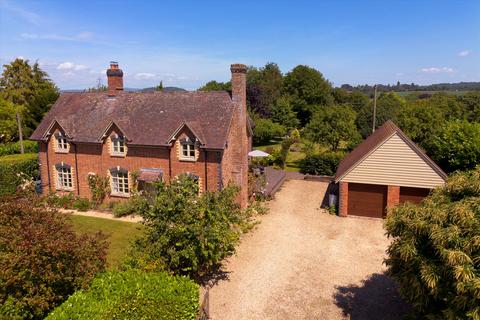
[(437, 70), (144, 76), (71, 66), (82, 36), (464, 53)]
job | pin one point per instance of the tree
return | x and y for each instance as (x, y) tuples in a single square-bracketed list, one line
[(8, 120), (456, 146), (216, 86), (471, 106), (420, 120), (282, 113), (159, 87), (266, 130), (187, 233), (435, 250), (264, 87), (333, 124), (29, 86), (388, 105), (42, 259), (308, 89)]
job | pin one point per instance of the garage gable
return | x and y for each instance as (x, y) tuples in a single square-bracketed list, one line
[(396, 161)]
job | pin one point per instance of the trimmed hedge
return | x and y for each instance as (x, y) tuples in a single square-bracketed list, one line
[(11, 169), (321, 164), (14, 147), (132, 295)]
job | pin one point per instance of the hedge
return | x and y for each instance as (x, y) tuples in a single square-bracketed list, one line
[(11, 168), (132, 295), (321, 164), (14, 147)]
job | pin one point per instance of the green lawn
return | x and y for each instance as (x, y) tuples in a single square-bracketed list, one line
[(120, 234)]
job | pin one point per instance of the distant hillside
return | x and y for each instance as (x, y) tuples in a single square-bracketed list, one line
[(166, 89), (404, 87)]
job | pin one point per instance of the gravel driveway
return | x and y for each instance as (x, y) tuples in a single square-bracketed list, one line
[(302, 263)]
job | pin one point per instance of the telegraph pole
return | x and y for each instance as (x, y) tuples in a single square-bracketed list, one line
[(374, 107), (20, 132)]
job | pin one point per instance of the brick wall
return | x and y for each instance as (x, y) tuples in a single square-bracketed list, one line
[(393, 196), (343, 199)]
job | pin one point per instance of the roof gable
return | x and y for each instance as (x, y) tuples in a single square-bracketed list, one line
[(410, 154), (145, 118)]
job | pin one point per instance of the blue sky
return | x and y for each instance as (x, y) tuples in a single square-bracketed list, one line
[(186, 43)]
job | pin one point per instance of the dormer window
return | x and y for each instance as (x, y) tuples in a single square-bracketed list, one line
[(61, 143), (118, 146), (188, 150)]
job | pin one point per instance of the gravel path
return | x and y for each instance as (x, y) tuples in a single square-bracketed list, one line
[(302, 263)]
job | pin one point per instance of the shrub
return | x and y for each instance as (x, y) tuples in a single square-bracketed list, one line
[(81, 204), (187, 233), (132, 295), (14, 147), (266, 130), (133, 205), (42, 260), (14, 169), (435, 252), (321, 164)]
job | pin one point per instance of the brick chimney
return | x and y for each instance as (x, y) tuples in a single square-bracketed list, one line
[(240, 158), (115, 79)]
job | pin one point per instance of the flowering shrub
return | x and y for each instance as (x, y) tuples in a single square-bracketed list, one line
[(42, 260)]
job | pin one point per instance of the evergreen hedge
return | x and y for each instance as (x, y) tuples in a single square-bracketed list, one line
[(132, 295), (14, 147), (15, 168), (321, 164)]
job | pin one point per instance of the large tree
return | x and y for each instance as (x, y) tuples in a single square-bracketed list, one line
[(216, 86), (331, 125), (264, 87), (8, 120), (28, 85), (308, 89), (388, 105), (435, 250), (282, 113)]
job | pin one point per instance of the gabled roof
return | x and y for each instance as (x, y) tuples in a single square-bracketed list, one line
[(147, 118), (371, 143)]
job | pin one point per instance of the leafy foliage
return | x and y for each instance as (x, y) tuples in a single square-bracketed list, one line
[(14, 147), (216, 86), (129, 206), (15, 169), (282, 113), (264, 87), (333, 124), (187, 233), (8, 119), (132, 295), (99, 188), (456, 146), (266, 130), (29, 86), (42, 260), (321, 164), (435, 252)]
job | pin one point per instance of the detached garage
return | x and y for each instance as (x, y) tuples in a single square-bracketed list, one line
[(386, 169)]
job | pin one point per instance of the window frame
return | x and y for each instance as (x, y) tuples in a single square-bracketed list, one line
[(61, 146), (64, 178), (118, 142), (189, 147), (119, 183)]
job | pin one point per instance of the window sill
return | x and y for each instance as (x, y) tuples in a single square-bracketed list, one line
[(64, 189), (120, 195), (61, 151), (188, 159), (118, 155)]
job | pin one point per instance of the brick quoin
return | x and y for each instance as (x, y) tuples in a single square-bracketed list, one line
[(216, 168), (343, 201)]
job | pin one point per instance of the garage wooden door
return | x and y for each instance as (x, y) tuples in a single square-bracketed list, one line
[(367, 200), (415, 195)]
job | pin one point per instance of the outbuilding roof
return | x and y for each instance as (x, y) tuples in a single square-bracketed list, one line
[(149, 118), (371, 143)]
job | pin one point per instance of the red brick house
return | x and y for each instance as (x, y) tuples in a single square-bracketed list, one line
[(158, 135), (384, 170)]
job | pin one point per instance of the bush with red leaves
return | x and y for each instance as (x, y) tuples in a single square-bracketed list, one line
[(42, 259)]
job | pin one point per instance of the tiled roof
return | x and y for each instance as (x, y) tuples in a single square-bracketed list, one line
[(371, 143), (145, 118)]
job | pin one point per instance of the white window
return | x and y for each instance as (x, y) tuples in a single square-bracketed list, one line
[(64, 177), (188, 150), (119, 182), (118, 146), (62, 144)]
